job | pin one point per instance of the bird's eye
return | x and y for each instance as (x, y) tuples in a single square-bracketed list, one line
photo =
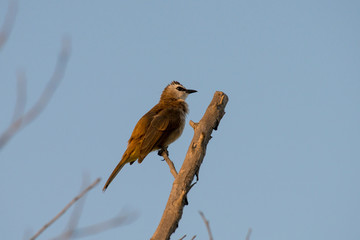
[(180, 88)]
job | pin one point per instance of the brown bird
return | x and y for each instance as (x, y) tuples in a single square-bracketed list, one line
[(158, 128)]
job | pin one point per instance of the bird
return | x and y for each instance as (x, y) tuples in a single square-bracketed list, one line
[(158, 128)]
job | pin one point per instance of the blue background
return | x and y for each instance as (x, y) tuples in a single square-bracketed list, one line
[(285, 160)]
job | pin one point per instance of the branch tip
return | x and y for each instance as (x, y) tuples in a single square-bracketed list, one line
[(207, 224), (248, 234), (183, 237), (193, 124)]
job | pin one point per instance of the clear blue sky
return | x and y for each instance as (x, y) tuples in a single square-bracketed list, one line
[(285, 160)]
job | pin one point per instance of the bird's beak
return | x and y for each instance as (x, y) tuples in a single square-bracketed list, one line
[(188, 91)]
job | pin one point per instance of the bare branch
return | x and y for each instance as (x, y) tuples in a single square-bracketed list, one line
[(20, 96), (66, 208), (248, 234), (207, 225), (8, 22), (170, 163), (194, 157), (120, 220), (77, 211), (193, 124), (173, 171), (44, 99), (183, 237)]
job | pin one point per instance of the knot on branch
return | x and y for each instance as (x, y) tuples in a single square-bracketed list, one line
[(199, 142)]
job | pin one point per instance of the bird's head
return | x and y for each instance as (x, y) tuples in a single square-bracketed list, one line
[(176, 91)]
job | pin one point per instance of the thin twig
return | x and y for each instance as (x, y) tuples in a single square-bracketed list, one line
[(120, 220), (170, 163), (248, 234), (173, 171), (20, 96), (77, 211), (193, 124), (206, 224), (91, 186), (183, 237), (8, 22), (44, 99)]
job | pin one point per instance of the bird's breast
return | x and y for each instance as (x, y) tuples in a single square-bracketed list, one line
[(176, 133)]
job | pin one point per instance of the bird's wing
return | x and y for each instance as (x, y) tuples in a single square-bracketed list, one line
[(162, 125)]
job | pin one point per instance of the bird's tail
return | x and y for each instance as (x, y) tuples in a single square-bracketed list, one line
[(124, 160)]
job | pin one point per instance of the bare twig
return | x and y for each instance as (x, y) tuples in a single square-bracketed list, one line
[(206, 224), (66, 208), (43, 100), (120, 220), (194, 157), (8, 22), (170, 163), (193, 124), (20, 96), (248, 234), (183, 237), (173, 171), (76, 213)]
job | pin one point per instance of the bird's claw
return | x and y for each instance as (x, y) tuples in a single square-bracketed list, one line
[(162, 150)]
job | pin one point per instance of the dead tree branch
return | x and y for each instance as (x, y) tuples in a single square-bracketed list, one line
[(173, 171), (76, 213), (24, 119), (183, 237), (170, 163), (194, 157), (207, 224), (20, 96), (8, 22), (248, 234), (66, 208), (120, 220)]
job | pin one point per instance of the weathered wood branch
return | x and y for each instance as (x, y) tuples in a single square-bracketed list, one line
[(190, 168), (170, 163)]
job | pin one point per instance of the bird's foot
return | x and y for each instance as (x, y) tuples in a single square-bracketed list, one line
[(163, 150)]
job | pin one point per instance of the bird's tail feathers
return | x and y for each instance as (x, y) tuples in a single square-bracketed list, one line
[(125, 159)]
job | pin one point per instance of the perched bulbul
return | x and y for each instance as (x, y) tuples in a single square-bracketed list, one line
[(158, 128)]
